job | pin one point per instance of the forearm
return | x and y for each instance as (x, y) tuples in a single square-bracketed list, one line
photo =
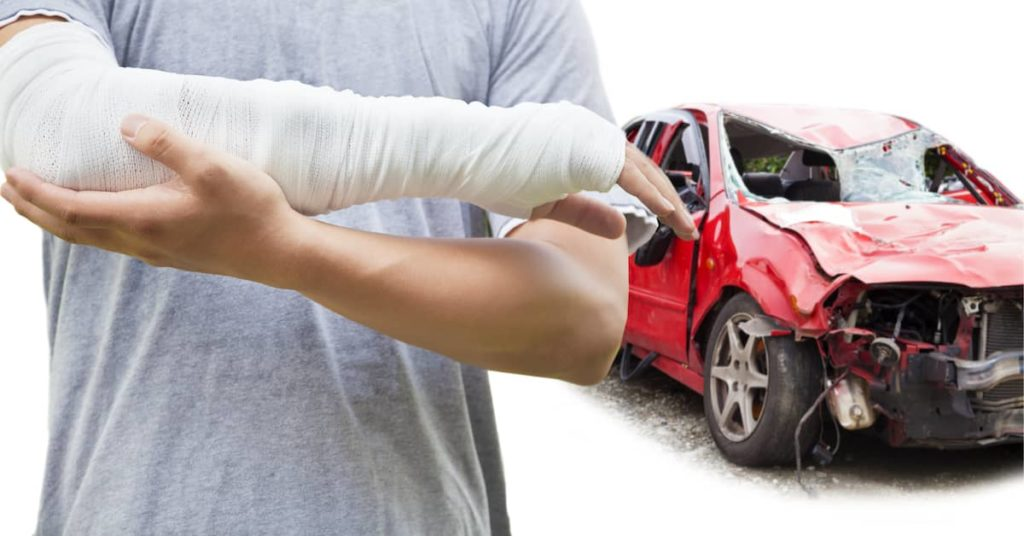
[(62, 96), (523, 306)]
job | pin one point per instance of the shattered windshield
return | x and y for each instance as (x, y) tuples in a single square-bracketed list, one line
[(769, 165), (892, 170)]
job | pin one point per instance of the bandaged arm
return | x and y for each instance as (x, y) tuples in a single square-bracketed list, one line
[(63, 95)]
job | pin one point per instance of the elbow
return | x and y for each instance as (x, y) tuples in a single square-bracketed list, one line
[(592, 340), (576, 317), (593, 368)]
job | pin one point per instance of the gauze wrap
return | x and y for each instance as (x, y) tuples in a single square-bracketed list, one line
[(63, 95)]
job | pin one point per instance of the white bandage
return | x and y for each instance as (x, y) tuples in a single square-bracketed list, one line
[(62, 97)]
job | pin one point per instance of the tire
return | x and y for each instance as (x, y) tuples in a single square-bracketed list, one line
[(759, 433)]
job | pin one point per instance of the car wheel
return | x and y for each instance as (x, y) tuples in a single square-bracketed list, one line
[(757, 389)]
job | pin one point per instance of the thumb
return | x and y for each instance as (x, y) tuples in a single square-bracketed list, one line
[(586, 213), (160, 142)]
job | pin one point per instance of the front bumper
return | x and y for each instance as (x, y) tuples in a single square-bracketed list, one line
[(940, 401)]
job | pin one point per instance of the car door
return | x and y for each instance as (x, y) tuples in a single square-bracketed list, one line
[(659, 276)]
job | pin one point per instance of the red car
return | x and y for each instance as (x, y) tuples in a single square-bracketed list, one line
[(853, 266)]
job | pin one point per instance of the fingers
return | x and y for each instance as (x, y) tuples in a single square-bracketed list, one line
[(585, 213), (81, 209), (679, 220), (162, 143), (53, 224), (635, 182), (649, 184)]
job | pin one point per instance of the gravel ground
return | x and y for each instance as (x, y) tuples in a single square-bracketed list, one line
[(660, 408)]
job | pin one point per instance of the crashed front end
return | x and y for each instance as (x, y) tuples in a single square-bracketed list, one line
[(928, 365), (911, 288)]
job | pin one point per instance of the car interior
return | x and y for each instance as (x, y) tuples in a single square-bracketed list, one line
[(676, 164), (773, 166), (682, 161)]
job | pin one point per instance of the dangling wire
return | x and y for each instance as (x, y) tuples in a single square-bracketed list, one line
[(807, 415)]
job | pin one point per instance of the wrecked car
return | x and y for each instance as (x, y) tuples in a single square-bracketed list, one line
[(854, 269)]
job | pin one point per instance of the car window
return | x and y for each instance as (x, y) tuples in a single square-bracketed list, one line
[(770, 166), (648, 135), (685, 156)]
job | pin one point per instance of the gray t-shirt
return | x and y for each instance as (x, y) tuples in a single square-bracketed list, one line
[(183, 403)]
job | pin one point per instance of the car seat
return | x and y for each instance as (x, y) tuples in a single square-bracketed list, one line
[(764, 184), (813, 190)]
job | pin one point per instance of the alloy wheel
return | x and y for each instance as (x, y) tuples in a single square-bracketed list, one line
[(739, 380)]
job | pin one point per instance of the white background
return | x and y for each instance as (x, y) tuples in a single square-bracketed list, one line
[(955, 67)]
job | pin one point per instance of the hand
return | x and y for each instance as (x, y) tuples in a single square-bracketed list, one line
[(639, 177), (220, 214)]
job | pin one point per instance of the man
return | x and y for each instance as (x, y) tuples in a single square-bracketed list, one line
[(191, 403)]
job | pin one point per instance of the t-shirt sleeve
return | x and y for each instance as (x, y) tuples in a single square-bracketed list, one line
[(546, 54), (91, 13)]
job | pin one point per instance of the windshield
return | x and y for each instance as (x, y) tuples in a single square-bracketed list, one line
[(892, 170), (769, 165)]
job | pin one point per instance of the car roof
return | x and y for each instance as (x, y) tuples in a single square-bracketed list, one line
[(833, 128)]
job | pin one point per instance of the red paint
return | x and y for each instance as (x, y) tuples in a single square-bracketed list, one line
[(972, 245), (962, 195), (658, 297)]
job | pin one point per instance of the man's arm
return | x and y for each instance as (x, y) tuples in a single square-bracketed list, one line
[(62, 94), (533, 306), (23, 23), (551, 303), (537, 304)]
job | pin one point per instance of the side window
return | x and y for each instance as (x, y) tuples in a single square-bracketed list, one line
[(684, 160), (676, 157), (647, 136), (675, 141)]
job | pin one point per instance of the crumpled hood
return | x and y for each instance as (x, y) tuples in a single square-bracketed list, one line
[(975, 246)]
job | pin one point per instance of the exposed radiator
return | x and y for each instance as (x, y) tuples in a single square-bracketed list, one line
[(1004, 328), (1003, 396)]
